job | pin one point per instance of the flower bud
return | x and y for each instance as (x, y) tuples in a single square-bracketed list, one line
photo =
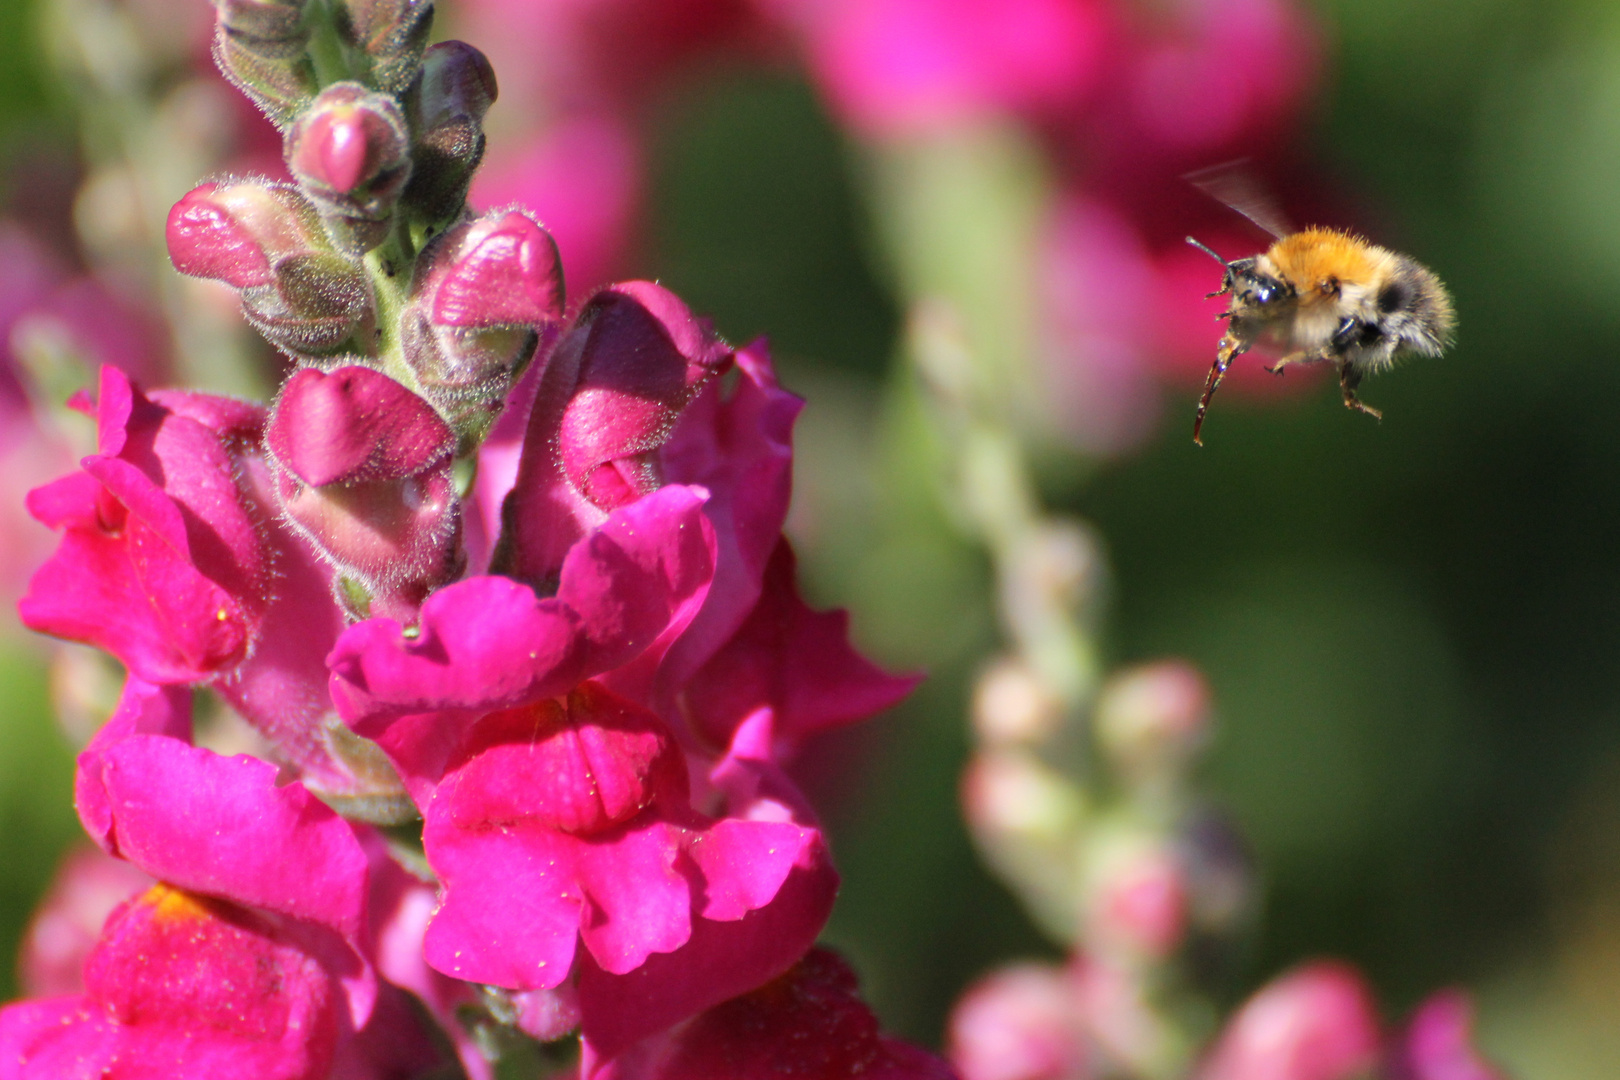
[(236, 231), (1022, 1022), (267, 240), (1316, 1023), (363, 471), (1153, 717), (389, 35), (1012, 706), (260, 45), (1027, 821), (457, 88), (484, 294), (1136, 904), (350, 151), (1438, 1043)]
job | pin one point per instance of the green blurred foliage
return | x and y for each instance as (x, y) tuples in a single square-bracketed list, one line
[(36, 795)]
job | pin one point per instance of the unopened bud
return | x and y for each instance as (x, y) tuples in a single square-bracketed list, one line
[(457, 88), (1438, 1043), (1318, 1022), (484, 294), (318, 305), (1012, 706), (236, 231), (1153, 717), (641, 356), (389, 35), (350, 151), (261, 46), (1136, 898), (267, 240), (1023, 1022), (364, 471), (1027, 820)]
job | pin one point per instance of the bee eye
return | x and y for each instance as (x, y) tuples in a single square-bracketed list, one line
[(1263, 293)]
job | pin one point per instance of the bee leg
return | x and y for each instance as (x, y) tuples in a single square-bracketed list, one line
[(1349, 379), (1292, 358), (1231, 349)]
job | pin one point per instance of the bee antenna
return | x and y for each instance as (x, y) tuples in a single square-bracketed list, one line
[(1207, 251)]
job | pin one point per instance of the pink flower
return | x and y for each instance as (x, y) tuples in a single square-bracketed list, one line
[(161, 562), (186, 987), (1318, 1022), (808, 1024), (556, 811), (610, 394), (169, 560), (1438, 1043), (250, 959), (896, 67)]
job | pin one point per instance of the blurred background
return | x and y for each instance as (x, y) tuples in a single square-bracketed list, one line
[(1410, 628)]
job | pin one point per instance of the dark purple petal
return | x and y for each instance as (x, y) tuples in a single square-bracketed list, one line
[(794, 661)]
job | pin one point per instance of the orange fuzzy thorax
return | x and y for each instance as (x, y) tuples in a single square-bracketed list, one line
[(1318, 261)]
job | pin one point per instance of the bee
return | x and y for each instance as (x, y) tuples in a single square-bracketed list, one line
[(1320, 295)]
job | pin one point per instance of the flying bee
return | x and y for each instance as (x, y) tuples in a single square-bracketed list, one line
[(1319, 295)]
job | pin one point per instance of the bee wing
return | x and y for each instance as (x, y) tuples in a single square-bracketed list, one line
[(1234, 184)]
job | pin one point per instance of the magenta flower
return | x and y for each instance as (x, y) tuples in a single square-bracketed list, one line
[(557, 812), (161, 562), (610, 394), (251, 958), (169, 561), (182, 986)]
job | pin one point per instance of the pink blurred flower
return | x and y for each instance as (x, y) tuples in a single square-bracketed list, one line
[(88, 885), (1318, 1022), (1197, 82), (1022, 1022), (898, 67), (1437, 1043)]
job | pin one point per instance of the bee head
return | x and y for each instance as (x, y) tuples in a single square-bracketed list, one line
[(1249, 288)]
